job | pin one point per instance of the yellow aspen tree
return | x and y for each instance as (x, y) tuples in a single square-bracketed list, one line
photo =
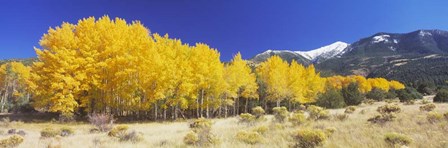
[(14, 85), (364, 85), (396, 85), (91, 65), (241, 81), (273, 73), (379, 83), (208, 73), (314, 84), (296, 80)]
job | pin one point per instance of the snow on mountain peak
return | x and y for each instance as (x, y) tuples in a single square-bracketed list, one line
[(381, 38), (328, 51), (424, 33)]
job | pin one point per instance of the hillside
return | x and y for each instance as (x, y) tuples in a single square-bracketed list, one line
[(413, 58), (416, 57)]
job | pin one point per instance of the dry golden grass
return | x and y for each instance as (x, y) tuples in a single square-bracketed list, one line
[(354, 132)]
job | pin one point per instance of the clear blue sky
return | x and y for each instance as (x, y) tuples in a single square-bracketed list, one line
[(248, 26)]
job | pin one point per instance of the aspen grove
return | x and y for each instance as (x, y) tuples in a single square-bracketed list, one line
[(111, 66)]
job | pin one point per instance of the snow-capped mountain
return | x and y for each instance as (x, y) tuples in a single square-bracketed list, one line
[(305, 57), (325, 52)]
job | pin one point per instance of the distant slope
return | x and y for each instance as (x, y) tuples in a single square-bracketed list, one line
[(305, 57), (415, 57), (284, 54)]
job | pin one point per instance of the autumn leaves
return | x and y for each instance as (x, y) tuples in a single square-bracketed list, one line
[(115, 67)]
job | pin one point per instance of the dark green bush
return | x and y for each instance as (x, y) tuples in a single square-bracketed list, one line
[(407, 94), (332, 98), (352, 95), (376, 94), (391, 94), (441, 96)]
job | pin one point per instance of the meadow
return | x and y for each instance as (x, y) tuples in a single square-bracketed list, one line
[(355, 131)]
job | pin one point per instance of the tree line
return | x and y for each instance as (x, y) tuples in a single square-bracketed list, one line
[(110, 66)]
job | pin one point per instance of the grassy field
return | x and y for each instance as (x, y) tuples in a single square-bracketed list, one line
[(353, 132)]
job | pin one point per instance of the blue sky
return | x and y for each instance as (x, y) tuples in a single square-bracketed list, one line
[(248, 26)]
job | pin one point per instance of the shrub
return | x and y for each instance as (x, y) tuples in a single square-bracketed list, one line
[(331, 98), (382, 118), (67, 131), (66, 117), (317, 113), (340, 117), (302, 107), (21, 133), (12, 131), (434, 117), (261, 129), (118, 131), (352, 95), (249, 137), (202, 128), (278, 126), (329, 131), (409, 102), (104, 122), (395, 139), (363, 111), (376, 94), (308, 138), (441, 96), (258, 112), (389, 101), (200, 124), (428, 107), (407, 94), (424, 101), (368, 101), (389, 108), (297, 118), (247, 118), (132, 136), (280, 113), (49, 132), (191, 138), (350, 109), (121, 132), (391, 94), (5, 122), (13, 141)]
